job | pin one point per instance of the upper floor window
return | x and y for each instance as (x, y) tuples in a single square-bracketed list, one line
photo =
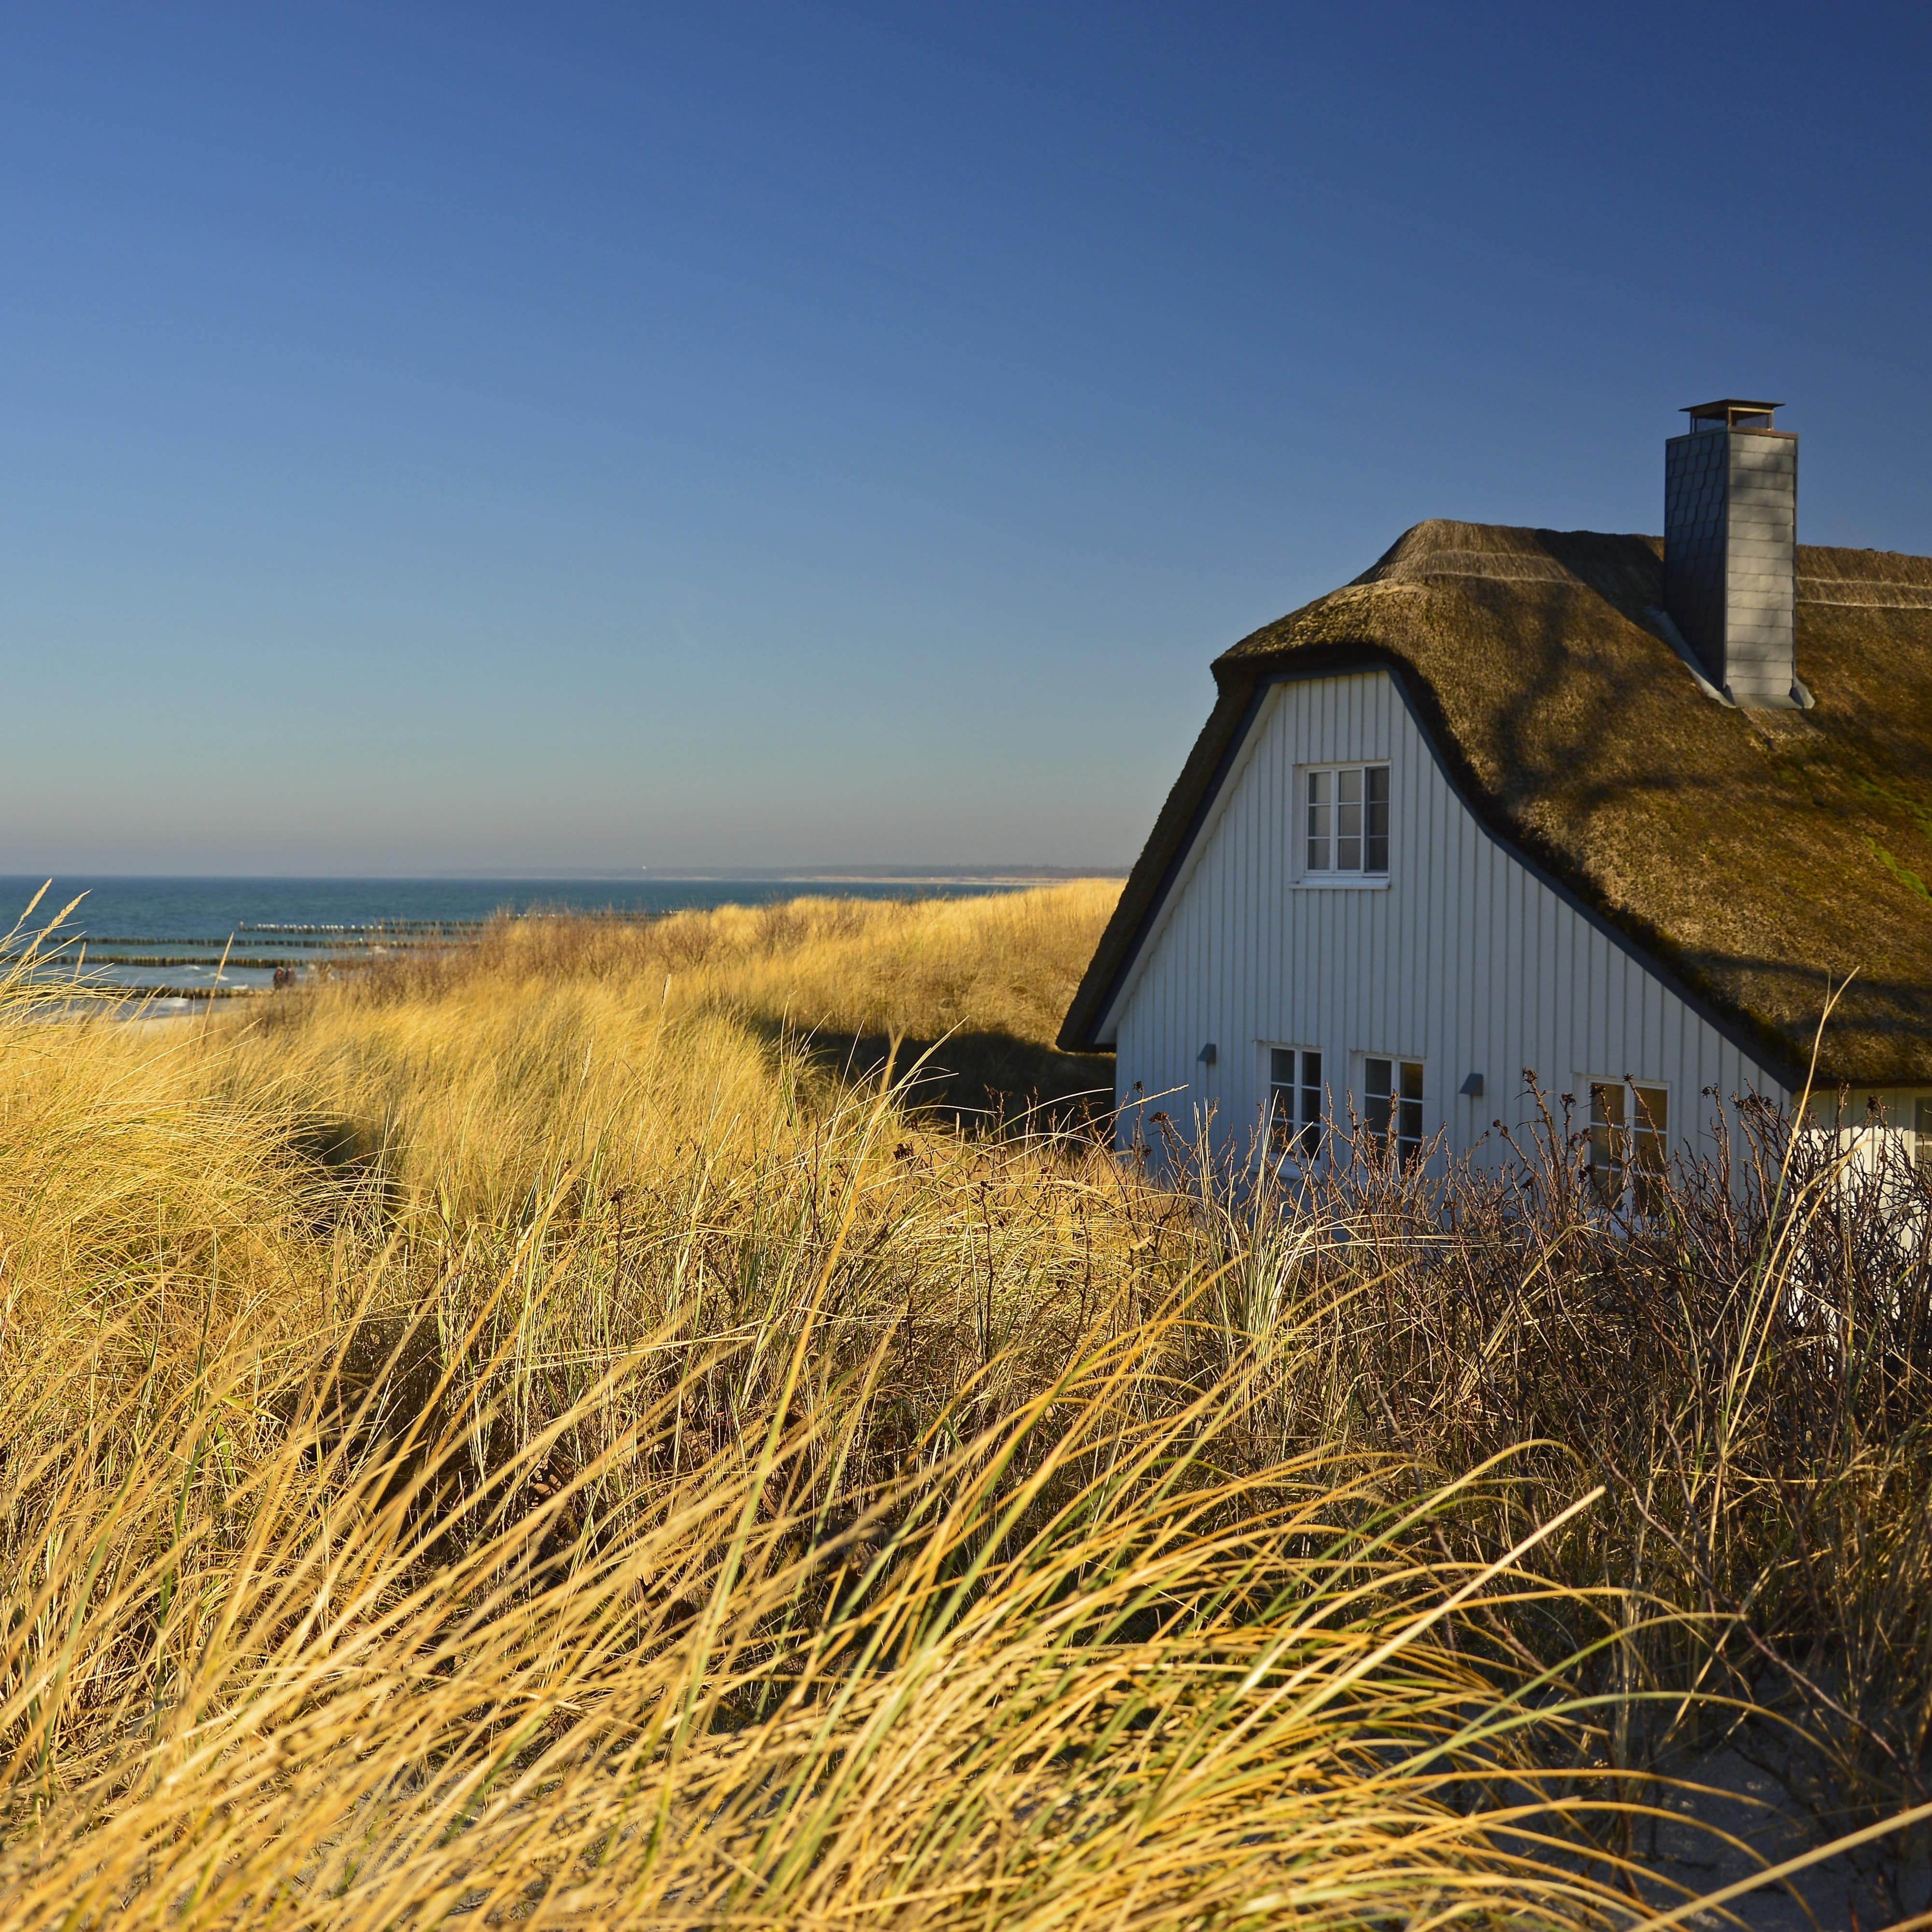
[(1347, 824), (1629, 1144)]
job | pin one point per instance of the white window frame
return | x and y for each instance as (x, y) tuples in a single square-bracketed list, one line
[(1300, 1132), (1629, 1152), (1323, 823), (1398, 1105)]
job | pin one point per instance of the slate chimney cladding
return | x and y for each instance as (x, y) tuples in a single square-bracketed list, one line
[(1730, 542)]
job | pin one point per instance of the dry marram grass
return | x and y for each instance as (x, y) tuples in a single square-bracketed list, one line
[(502, 1440)]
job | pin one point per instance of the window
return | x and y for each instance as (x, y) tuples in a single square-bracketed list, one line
[(1630, 1143), (1392, 1105), (1921, 1136), (1347, 825), (1294, 1101)]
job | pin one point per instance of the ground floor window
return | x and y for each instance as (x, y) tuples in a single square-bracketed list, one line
[(1921, 1132), (1629, 1144), (1294, 1101), (1392, 1105)]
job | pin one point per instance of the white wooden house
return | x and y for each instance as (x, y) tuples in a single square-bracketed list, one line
[(1522, 806)]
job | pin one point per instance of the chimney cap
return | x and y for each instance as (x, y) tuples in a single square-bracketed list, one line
[(1733, 412)]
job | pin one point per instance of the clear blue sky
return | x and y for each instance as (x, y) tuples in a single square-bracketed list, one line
[(479, 437)]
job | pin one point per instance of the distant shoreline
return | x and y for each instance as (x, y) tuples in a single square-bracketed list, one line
[(197, 939)]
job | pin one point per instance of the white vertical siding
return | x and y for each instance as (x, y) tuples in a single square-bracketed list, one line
[(1465, 961)]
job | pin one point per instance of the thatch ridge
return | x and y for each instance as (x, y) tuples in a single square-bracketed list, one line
[(1751, 857)]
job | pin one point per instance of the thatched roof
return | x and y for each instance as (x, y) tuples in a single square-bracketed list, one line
[(1749, 855)]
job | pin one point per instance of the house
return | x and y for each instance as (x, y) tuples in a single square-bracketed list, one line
[(1526, 803)]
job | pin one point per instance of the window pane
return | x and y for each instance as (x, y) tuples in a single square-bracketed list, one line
[(1281, 1095), (1409, 1112), (1650, 1148), (1319, 809), (1375, 857), (1377, 1102), (1922, 1133), (1606, 1141), (1310, 1138), (1348, 821)]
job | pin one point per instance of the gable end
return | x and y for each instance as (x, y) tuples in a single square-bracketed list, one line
[(1192, 804)]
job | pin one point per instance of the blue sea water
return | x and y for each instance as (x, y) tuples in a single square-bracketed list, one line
[(304, 920)]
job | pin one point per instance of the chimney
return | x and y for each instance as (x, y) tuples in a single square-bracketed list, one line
[(1730, 545)]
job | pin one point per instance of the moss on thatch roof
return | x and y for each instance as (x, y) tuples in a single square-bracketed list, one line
[(1751, 855)]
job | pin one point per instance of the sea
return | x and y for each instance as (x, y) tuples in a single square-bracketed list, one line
[(177, 943)]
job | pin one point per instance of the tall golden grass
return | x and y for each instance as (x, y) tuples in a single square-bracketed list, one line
[(1005, 963), (990, 977), (504, 1441)]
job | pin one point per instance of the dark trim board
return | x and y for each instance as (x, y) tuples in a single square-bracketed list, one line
[(1198, 791)]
